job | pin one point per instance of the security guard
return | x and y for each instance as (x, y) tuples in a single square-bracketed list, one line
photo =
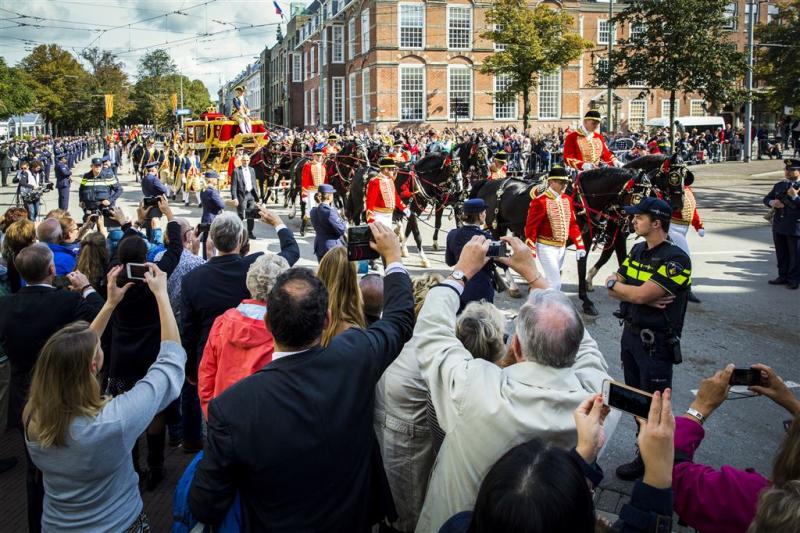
[(784, 199), (98, 188), (63, 181), (653, 285)]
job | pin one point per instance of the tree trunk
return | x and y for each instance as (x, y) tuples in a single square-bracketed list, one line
[(526, 108), (672, 121)]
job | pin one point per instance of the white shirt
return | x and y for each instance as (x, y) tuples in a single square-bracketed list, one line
[(248, 181)]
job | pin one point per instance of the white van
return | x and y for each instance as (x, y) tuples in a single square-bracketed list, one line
[(683, 124)]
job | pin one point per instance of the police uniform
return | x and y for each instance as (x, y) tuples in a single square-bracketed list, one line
[(786, 228), (481, 285), (151, 185), (329, 228), (210, 200), (63, 181), (94, 190)]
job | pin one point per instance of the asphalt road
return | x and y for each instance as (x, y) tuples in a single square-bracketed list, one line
[(741, 319)]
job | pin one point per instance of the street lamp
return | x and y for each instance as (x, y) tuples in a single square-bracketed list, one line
[(748, 81), (609, 95)]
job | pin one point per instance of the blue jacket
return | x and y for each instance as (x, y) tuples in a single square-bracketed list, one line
[(212, 205), (787, 219), (328, 227), (64, 258), (63, 174), (152, 186), (481, 286)]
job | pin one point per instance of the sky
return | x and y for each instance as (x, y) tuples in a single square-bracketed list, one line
[(210, 40)]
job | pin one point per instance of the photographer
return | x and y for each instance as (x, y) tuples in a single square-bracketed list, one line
[(784, 199), (98, 189), (29, 186), (727, 499)]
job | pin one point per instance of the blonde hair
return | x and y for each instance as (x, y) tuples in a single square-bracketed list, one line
[(778, 509), (19, 235), (787, 462), (63, 385), (420, 285), (344, 295)]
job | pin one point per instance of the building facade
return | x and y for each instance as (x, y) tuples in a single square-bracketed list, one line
[(380, 64)]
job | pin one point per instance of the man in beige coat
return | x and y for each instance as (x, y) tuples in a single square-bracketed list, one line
[(485, 410)]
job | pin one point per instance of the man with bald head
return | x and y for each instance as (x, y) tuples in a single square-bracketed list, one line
[(371, 286), (49, 233)]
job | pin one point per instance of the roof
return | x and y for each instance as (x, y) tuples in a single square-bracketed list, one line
[(27, 118)]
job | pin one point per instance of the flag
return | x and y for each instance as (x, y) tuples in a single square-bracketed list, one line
[(278, 10), (109, 98), (174, 101)]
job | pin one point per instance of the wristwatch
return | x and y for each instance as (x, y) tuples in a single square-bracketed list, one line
[(696, 414), (610, 284), (459, 275)]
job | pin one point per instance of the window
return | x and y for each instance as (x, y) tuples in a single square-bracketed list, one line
[(459, 91), (366, 109), (412, 25), (351, 39), (313, 60), (351, 83), (505, 107), (499, 47), (637, 28), (337, 100), (772, 12), (412, 92), (297, 67), (365, 31), (637, 114), (338, 44), (307, 65), (731, 16), (601, 67), (323, 49), (305, 108), (603, 32), (323, 101), (313, 116), (696, 108), (665, 108), (747, 7), (550, 95), (459, 27)]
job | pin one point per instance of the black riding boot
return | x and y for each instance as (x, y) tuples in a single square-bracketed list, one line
[(155, 461), (303, 227)]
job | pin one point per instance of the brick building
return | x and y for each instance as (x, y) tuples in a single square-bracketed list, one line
[(415, 63)]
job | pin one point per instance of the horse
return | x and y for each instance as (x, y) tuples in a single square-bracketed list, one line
[(473, 157), (600, 194), (341, 168), (269, 165)]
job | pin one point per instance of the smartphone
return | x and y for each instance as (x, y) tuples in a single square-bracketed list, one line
[(152, 203), (625, 398), (136, 270), (497, 249), (358, 248), (745, 376)]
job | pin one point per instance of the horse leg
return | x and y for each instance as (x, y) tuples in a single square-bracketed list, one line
[(513, 288), (588, 305), (412, 223), (436, 226), (605, 255)]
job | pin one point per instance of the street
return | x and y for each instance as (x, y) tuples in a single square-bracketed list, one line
[(741, 319)]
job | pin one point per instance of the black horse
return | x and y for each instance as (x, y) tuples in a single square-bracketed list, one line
[(600, 194)]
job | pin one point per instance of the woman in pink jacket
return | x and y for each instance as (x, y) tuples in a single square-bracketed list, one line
[(239, 343), (726, 500)]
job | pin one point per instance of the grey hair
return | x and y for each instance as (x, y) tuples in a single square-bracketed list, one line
[(49, 231), (262, 274), (480, 328), (226, 232), (549, 329)]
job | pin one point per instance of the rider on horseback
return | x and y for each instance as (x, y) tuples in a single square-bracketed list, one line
[(497, 170), (332, 148), (382, 195), (585, 148), (313, 177)]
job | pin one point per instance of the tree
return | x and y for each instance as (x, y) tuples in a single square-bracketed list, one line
[(108, 77), (15, 95), (780, 64), (57, 79), (678, 46), (537, 40), (156, 64)]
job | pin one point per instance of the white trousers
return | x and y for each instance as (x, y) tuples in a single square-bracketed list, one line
[(311, 202), (383, 218), (678, 232), (244, 125), (551, 258)]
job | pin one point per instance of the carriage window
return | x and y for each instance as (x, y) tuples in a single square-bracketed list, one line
[(190, 134), (200, 133)]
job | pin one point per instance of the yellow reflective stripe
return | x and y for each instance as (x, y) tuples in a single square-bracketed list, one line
[(638, 274), (680, 279)]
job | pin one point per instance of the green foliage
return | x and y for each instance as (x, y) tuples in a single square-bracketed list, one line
[(108, 77), (681, 46), (780, 65), (537, 40), (16, 97)]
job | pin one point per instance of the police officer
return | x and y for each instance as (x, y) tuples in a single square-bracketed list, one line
[(329, 227), (784, 199), (151, 185), (98, 188), (63, 181), (481, 286), (653, 285), (210, 200)]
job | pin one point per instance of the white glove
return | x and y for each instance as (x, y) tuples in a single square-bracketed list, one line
[(701, 232), (580, 254), (618, 163), (407, 212), (587, 166)]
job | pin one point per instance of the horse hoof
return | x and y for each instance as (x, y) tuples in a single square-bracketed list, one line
[(590, 309), (291, 215), (404, 251), (514, 293), (589, 285), (425, 263), (435, 246)]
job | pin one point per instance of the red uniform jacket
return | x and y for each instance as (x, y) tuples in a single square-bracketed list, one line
[(688, 215), (313, 177), (382, 197), (551, 220), (330, 149), (580, 149)]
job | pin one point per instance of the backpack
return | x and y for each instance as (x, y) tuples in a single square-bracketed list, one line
[(182, 519)]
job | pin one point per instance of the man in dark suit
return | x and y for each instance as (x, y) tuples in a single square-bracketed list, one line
[(296, 439), (114, 154), (63, 181), (213, 288), (244, 193), (27, 319), (784, 198), (329, 227)]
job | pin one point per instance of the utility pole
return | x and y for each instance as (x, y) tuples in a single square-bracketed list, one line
[(748, 81), (181, 75), (610, 93)]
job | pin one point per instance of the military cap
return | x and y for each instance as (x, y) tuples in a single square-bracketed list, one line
[(592, 114), (558, 173), (387, 162)]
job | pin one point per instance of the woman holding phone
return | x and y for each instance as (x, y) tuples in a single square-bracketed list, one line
[(82, 441)]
